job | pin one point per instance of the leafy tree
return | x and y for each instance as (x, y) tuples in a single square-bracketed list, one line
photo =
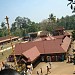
[(48, 24), (33, 27), (1, 33), (23, 25), (52, 18), (4, 29), (73, 35), (14, 27)]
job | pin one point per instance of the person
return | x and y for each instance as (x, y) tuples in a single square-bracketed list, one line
[(48, 70), (28, 72), (11, 66), (41, 70), (1, 47), (3, 63), (24, 73), (1, 68), (50, 64), (31, 67), (37, 73), (2, 53)]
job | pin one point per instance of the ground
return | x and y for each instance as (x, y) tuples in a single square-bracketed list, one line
[(58, 68)]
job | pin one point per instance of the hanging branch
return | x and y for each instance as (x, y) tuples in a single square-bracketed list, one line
[(72, 2)]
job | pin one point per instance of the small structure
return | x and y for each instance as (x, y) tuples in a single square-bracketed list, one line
[(6, 39), (58, 31), (34, 35)]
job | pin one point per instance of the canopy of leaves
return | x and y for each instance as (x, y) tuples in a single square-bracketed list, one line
[(73, 35), (23, 25), (3, 30)]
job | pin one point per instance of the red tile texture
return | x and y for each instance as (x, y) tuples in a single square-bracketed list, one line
[(66, 43), (2, 39), (32, 50), (32, 53)]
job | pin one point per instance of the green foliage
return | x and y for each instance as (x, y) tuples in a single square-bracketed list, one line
[(48, 24), (67, 22), (23, 25), (73, 35), (3, 30), (1, 33), (33, 27)]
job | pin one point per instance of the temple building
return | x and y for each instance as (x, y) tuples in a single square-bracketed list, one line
[(43, 49)]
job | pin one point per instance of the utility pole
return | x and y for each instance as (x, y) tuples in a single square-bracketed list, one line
[(7, 22)]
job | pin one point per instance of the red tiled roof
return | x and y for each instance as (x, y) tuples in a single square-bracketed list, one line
[(42, 46), (67, 33), (59, 28), (32, 50), (45, 38), (66, 43), (59, 37), (52, 47), (7, 38), (22, 47), (32, 53)]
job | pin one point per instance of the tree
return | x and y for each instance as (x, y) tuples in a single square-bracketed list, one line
[(52, 18), (4, 29), (13, 27), (71, 3), (48, 24), (73, 35), (33, 27), (1, 33), (23, 25)]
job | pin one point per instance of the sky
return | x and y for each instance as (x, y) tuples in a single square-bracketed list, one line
[(35, 10)]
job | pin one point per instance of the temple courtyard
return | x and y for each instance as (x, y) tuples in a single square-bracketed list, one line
[(57, 68)]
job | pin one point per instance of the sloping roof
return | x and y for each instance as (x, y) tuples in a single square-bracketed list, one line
[(59, 28), (32, 53), (7, 38), (44, 33), (67, 33), (22, 47), (66, 43), (59, 37), (32, 50), (51, 46), (45, 38)]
